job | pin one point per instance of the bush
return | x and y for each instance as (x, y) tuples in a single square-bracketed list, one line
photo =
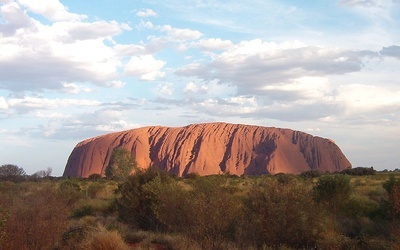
[(82, 212), (192, 176), (333, 191), (94, 189), (359, 171), (392, 187), (71, 191), (285, 178), (311, 173), (94, 177), (207, 214), (135, 204), (283, 215), (73, 237), (106, 240)]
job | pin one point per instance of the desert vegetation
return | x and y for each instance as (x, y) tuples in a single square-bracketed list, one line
[(149, 209)]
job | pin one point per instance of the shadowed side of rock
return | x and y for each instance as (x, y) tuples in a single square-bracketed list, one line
[(211, 148)]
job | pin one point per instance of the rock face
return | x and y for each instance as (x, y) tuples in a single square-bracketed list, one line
[(211, 148)]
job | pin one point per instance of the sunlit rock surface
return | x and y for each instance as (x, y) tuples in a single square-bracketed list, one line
[(211, 148)]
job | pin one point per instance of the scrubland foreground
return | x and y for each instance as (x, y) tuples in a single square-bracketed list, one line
[(153, 210)]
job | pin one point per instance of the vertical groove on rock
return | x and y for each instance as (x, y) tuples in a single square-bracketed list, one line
[(228, 150)]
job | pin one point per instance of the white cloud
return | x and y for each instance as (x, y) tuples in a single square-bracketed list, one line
[(181, 34), (191, 87), (146, 67), (14, 19), (94, 30), (146, 13), (215, 44), (116, 126), (72, 88), (116, 84), (234, 106), (392, 51), (380, 12), (308, 99), (29, 103), (361, 3), (364, 99), (51, 9), (165, 89), (41, 56), (3, 103), (51, 115), (84, 125), (254, 65), (129, 49), (308, 89), (146, 25)]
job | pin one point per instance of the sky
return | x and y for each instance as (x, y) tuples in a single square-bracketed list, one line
[(71, 70)]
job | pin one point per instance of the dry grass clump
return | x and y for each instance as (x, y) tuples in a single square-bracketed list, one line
[(151, 240), (80, 231), (105, 240)]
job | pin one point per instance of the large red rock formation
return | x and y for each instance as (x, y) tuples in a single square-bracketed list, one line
[(211, 148)]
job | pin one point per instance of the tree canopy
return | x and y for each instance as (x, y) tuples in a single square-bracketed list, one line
[(11, 172), (121, 164)]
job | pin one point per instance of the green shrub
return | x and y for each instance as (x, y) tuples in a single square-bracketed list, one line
[(283, 215), (192, 176), (70, 185), (359, 171), (94, 177), (357, 207), (207, 214), (71, 191), (392, 187), (134, 204), (82, 211), (333, 191), (285, 178), (311, 173), (121, 164), (73, 237), (94, 189)]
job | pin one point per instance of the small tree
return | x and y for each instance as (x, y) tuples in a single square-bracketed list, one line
[(43, 173), (11, 172), (121, 164)]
